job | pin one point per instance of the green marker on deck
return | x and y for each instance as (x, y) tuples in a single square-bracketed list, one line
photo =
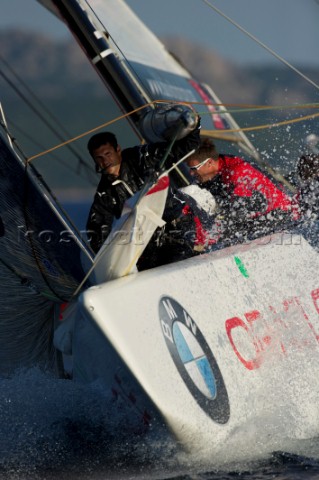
[(241, 267)]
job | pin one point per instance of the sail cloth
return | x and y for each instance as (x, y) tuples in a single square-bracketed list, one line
[(37, 241), (142, 214), (26, 325), (154, 74), (40, 264)]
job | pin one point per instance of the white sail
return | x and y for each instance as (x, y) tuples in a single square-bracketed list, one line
[(129, 237), (150, 68)]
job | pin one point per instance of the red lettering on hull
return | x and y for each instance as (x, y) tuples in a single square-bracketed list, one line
[(281, 332)]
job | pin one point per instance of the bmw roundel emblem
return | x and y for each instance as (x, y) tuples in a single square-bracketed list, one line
[(194, 359)]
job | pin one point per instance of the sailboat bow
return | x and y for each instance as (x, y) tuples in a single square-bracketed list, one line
[(209, 346)]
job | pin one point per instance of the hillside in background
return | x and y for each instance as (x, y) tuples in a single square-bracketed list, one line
[(234, 83), (38, 70), (56, 69)]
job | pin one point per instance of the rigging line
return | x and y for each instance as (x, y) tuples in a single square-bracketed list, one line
[(39, 114), (242, 105), (141, 85), (260, 43), (89, 170), (106, 124), (175, 166), (244, 110), (4, 124), (256, 108), (13, 140), (147, 186), (42, 105), (227, 130), (34, 170), (163, 161), (230, 112), (270, 125), (261, 109), (170, 146), (141, 195)]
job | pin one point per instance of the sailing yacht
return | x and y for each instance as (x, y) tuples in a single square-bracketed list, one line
[(204, 347)]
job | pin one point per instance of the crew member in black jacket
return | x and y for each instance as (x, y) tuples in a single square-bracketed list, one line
[(123, 173)]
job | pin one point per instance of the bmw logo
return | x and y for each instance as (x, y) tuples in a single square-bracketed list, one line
[(194, 360)]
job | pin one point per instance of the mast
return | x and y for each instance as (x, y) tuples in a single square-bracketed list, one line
[(152, 123), (141, 70), (95, 42)]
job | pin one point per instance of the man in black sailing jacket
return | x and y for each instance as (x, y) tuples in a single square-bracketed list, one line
[(124, 173)]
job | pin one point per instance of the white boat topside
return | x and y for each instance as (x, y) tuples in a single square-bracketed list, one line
[(220, 342)]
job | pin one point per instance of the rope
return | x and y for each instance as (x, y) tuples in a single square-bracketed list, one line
[(226, 131), (87, 132), (244, 106), (272, 125), (265, 108), (263, 45), (39, 114), (89, 175), (149, 183)]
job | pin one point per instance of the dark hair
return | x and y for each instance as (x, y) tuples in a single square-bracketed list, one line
[(206, 149), (308, 166), (101, 139)]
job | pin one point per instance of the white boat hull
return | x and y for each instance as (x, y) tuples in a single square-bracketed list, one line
[(219, 344)]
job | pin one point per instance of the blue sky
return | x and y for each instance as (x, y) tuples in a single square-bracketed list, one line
[(289, 27)]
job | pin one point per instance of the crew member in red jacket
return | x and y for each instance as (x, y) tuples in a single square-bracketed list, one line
[(250, 204)]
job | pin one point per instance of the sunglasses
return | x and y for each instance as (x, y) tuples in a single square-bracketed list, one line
[(199, 165)]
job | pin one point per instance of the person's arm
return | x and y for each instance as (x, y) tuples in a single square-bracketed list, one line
[(149, 156), (236, 214), (246, 194), (246, 206)]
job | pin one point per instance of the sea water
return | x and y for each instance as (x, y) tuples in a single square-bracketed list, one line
[(56, 429), (52, 428)]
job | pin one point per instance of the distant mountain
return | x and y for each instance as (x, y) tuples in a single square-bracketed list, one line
[(55, 69), (268, 84), (52, 69), (59, 75)]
